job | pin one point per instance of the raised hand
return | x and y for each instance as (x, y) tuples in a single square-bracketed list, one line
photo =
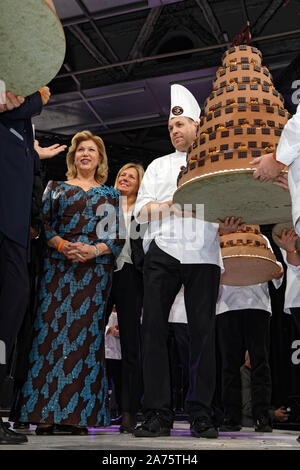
[(288, 239), (229, 225), (48, 152)]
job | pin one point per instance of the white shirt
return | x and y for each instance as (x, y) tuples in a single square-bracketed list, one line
[(187, 239), (178, 312), (288, 152), (112, 343), (125, 255), (292, 289), (256, 296)]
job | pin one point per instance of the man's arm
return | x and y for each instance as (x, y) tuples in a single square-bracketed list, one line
[(155, 211), (32, 106), (147, 207)]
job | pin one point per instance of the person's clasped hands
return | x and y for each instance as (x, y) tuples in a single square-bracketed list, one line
[(78, 251)]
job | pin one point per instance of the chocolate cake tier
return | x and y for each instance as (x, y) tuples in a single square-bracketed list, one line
[(235, 73), (239, 94), (247, 258), (254, 115), (242, 54)]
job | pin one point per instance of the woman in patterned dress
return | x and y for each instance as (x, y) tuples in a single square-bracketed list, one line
[(66, 382)]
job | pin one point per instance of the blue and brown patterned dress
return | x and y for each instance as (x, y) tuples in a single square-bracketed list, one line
[(66, 382)]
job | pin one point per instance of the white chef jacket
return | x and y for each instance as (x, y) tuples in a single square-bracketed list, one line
[(187, 239), (178, 312), (256, 296), (112, 343), (288, 152), (292, 289)]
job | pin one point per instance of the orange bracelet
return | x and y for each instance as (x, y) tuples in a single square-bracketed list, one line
[(41, 93), (60, 245)]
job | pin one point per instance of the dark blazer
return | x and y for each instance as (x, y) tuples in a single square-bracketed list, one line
[(136, 244), (18, 163)]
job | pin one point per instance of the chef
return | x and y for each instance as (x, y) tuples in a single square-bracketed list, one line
[(291, 257), (179, 251), (243, 323)]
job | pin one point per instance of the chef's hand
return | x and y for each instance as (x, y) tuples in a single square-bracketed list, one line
[(279, 274), (282, 182), (229, 225), (288, 239), (267, 169)]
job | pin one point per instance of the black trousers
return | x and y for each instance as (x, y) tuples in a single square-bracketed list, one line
[(296, 317), (114, 374), (126, 294), (179, 363), (163, 277), (14, 294), (237, 332)]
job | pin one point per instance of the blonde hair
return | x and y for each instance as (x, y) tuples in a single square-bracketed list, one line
[(101, 172), (140, 171)]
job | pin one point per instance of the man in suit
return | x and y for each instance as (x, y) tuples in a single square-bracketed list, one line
[(18, 163)]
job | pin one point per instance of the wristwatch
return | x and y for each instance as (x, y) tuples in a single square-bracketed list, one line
[(97, 253)]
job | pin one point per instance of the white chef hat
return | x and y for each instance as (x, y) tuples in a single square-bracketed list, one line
[(183, 103)]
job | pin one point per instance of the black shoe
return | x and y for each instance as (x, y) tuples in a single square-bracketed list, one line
[(79, 431), (263, 424), (156, 425), (10, 437), (44, 431), (127, 429), (229, 425), (19, 425), (201, 426)]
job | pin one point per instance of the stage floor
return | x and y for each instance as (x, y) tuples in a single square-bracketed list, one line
[(109, 438)]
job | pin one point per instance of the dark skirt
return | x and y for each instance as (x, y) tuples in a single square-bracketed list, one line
[(66, 382)]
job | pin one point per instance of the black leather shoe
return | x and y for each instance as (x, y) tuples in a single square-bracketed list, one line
[(79, 431), (19, 425), (229, 425), (201, 426), (156, 425), (10, 437), (127, 429), (263, 424), (44, 431)]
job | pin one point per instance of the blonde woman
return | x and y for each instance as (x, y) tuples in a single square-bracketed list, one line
[(126, 294), (66, 383)]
